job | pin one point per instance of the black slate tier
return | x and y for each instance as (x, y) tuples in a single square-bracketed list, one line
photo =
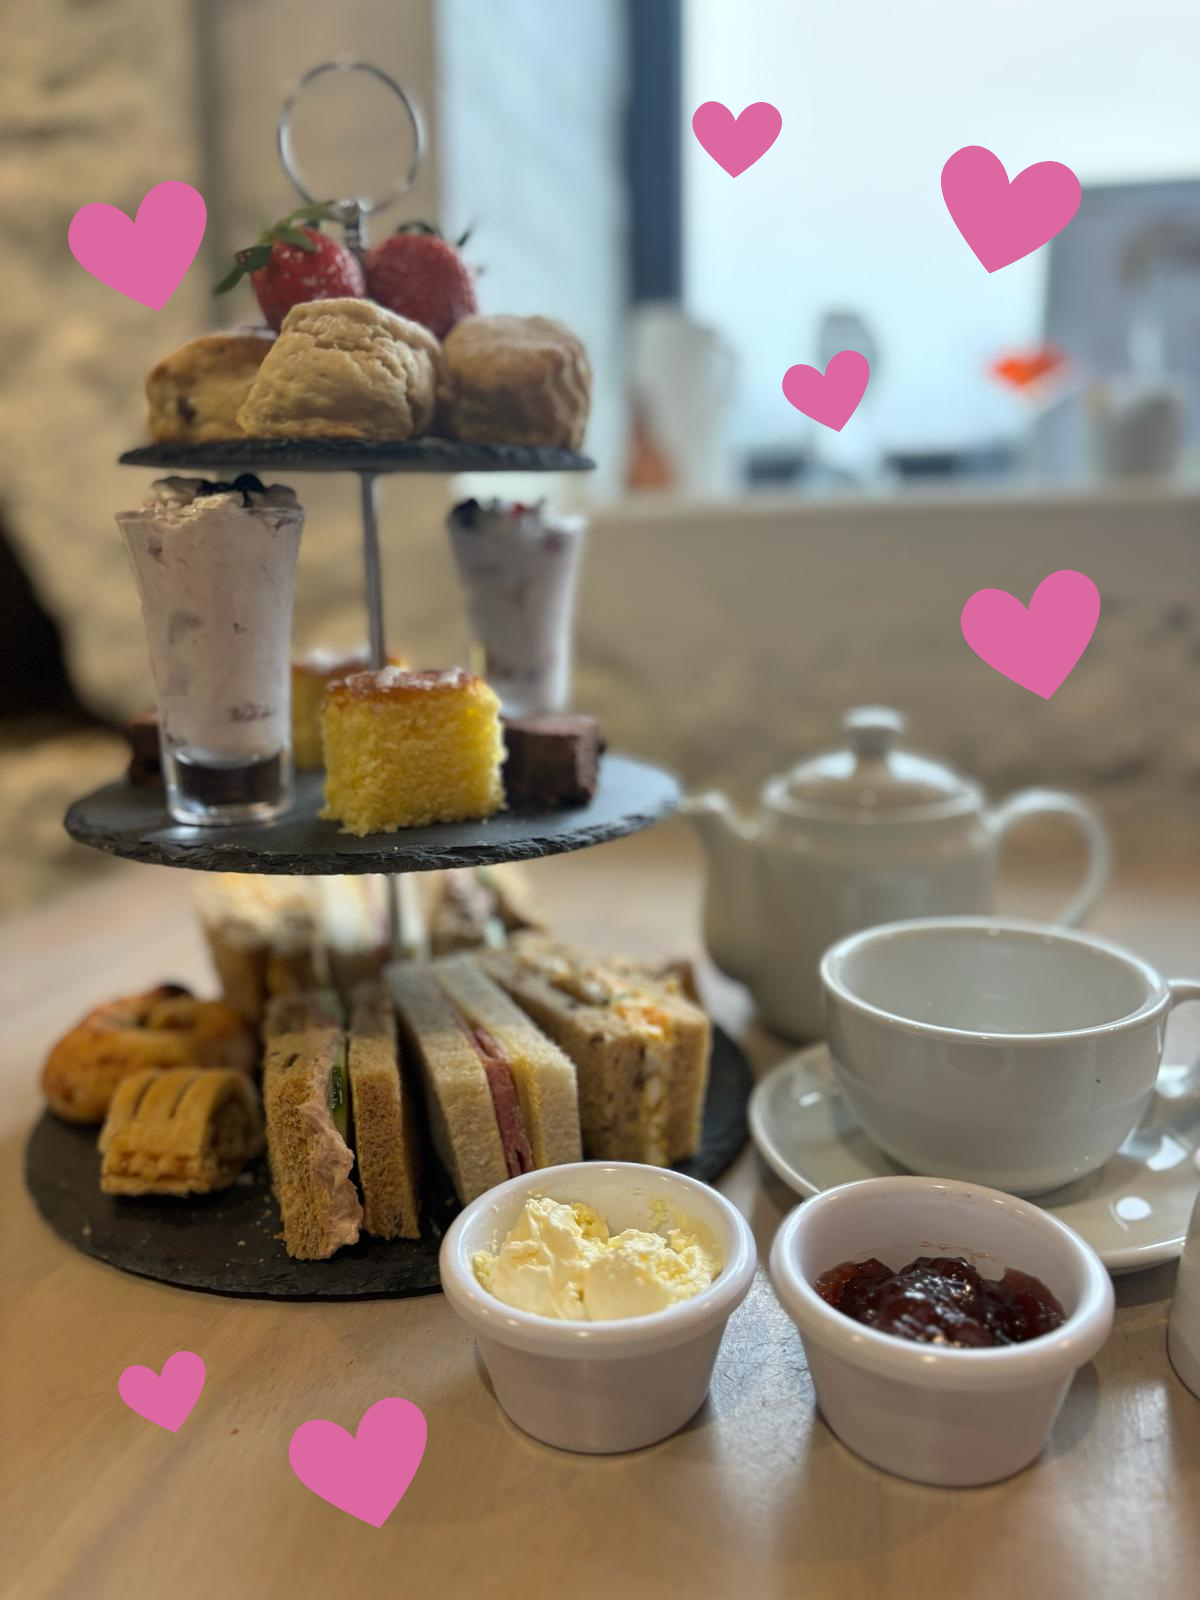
[(226, 1243), (357, 455), (130, 822)]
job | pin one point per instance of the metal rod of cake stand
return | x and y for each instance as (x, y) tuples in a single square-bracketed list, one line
[(372, 571), (398, 929)]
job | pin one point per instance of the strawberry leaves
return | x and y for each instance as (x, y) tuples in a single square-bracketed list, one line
[(286, 231)]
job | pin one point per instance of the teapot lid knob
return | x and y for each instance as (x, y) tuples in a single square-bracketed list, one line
[(872, 731)]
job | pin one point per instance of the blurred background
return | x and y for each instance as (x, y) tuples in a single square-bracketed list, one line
[(750, 574)]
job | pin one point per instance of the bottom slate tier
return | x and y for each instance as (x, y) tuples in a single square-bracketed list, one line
[(228, 1243)]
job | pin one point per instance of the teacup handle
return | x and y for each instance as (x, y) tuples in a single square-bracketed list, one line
[(1053, 802), (1183, 990)]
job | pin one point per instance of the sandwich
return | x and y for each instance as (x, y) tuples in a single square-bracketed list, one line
[(386, 1140), (273, 935), (350, 918), (501, 1097), (473, 906), (307, 1113), (640, 1047), (262, 937)]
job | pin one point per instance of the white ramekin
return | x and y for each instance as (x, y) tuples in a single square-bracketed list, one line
[(600, 1387), (946, 1416)]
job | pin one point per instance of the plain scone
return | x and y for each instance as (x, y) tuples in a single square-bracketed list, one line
[(515, 380), (345, 369)]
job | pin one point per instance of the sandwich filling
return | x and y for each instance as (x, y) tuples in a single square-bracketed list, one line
[(598, 985), (514, 1141), (339, 1098), (330, 1161)]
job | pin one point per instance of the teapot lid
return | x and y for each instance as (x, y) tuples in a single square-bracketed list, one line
[(870, 775)]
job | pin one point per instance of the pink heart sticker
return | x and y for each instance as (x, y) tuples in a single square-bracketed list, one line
[(366, 1473), (1004, 221), (1039, 646), (144, 258), (831, 397), (736, 143), (165, 1399)]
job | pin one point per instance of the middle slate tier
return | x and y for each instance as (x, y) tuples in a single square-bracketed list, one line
[(131, 822)]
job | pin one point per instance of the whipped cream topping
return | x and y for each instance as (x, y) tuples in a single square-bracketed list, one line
[(561, 1261), (202, 495), (514, 516)]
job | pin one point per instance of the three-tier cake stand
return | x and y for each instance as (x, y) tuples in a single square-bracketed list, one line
[(228, 1242)]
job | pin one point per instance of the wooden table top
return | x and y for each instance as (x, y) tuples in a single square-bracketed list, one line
[(754, 1497)]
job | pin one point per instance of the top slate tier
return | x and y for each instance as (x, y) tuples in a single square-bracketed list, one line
[(359, 455)]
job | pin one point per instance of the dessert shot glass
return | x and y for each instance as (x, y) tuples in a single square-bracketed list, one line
[(214, 564), (519, 566), (600, 1387)]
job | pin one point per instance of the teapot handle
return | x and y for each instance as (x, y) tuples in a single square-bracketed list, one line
[(1052, 802)]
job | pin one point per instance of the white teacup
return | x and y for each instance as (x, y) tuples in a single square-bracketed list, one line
[(995, 1051)]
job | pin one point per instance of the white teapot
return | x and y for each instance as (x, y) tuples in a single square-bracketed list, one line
[(847, 840)]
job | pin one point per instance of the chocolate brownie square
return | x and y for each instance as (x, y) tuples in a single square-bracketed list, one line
[(552, 760)]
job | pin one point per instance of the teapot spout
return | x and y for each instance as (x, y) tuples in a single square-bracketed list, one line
[(731, 909)]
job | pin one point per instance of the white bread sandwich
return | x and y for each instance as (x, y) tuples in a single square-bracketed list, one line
[(500, 1096), (641, 1048)]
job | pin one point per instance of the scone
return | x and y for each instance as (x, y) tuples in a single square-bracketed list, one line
[(514, 380), (344, 369), (196, 392), (165, 1028), (403, 749), (179, 1132)]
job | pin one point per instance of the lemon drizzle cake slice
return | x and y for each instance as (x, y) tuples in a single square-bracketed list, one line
[(404, 749)]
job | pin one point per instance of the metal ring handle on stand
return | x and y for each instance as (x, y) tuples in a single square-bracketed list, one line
[(353, 209)]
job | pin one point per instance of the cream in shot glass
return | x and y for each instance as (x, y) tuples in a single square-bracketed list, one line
[(214, 564), (518, 565)]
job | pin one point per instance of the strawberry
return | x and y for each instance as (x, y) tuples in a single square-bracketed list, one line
[(420, 275), (291, 264)]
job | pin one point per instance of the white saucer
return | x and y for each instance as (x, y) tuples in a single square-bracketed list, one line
[(1134, 1212)]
